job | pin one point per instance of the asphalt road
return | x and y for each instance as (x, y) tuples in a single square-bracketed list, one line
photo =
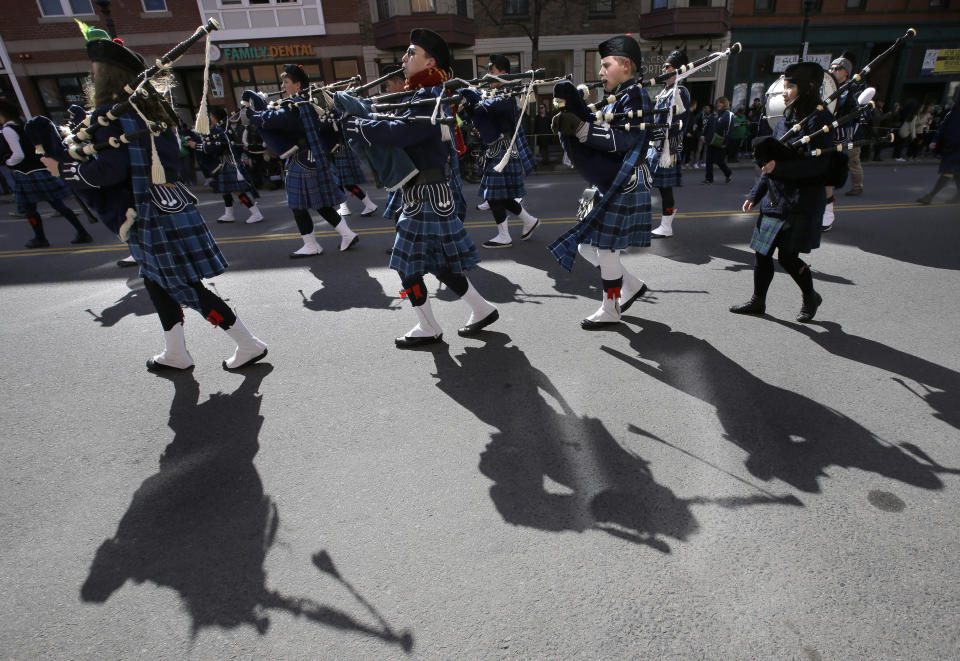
[(691, 485)]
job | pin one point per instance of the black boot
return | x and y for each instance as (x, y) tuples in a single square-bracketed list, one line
[(39, 239), (928, 198), (754, 306), (809, 307), (82, 237)]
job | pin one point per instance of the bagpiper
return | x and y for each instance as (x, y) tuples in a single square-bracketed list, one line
[(32, 183), (311, 181), (430, 236), (615, 211), (665, 156), (496, 120), (791, 188), (230, 176), (159, 220)]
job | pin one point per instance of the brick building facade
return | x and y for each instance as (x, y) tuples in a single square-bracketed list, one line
[(770, 32)]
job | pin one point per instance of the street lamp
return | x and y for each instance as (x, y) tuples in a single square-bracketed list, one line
[(104, 6), (808, 6)]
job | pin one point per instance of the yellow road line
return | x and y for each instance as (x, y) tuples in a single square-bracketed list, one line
[(388, 229)]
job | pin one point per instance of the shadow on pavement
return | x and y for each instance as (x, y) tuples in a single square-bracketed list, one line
[(135, 302), (941, 386), (346, 285), (786, 435), (552, 469), (203, 526)]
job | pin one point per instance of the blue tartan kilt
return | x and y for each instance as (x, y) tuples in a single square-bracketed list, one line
[(229, 182), (37, 186), (505, 185), (394, 205), (625, 222), (175, 249), (429, 243), (312, 189), (527, 159), (348, 167), (765, 233), (664, 177)]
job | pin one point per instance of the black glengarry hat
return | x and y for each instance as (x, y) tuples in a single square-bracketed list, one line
[(624, 46), (501, 62), (101, 48), (678, 58), (434, 44), (296, 73), (805, 75)]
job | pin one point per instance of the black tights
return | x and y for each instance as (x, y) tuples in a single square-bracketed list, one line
[(212, 307), (666, 200), (791, 263), (501, 207), (305, 222), (243, 197), (355, 190), (33, 216), (415, 289)]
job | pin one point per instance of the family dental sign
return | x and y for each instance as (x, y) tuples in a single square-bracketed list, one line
[(267, 52)]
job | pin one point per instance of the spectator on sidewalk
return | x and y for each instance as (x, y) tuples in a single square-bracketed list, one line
[(544, 136), (716, 135), (700, 124)]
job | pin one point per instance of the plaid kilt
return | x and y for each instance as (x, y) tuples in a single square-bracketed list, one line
[(505, 185), (664, 177), (429, 243), (37, 186), (228, 181), (394, 205), (311, 189), (175, 250), (765, 233), (527, 158), (348, 167)]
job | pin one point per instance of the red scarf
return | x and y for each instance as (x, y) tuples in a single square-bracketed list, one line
[(431, 78)]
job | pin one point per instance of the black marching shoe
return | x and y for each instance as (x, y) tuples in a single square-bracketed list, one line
[(409, 342), (37, 243), (477, 326), (753, 306), (809, 308), (83, 238)]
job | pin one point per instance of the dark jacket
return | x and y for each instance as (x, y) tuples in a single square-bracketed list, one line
[(794, 191), (719, 122)]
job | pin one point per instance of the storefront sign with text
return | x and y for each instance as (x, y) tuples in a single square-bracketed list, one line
[(267, 52)]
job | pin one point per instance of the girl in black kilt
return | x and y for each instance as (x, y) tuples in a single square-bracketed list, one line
[(158, 219), (793, 194), (32, 183)]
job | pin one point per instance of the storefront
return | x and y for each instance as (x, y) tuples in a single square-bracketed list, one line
[(258, 65)]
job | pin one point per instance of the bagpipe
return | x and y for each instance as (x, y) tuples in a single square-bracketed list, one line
[(857, 77), (681, 73), (84, 131)]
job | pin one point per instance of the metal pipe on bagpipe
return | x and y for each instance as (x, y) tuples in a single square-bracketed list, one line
[(82, 153), (374, 83), (648, 126), (420, 103), (847, 146), (865, 103), (857, 77), (490, 79), (88, 128), (414, 119)]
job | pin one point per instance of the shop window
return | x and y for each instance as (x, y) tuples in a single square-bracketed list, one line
[(557, 62), (600, 7), (60, 92), (764, 6), (256, 3), (423, 7), (343, 69), (516, 8), (65, 7), (591, 66), (856, 5), (484, 60), (462, 8), (265, 76), (659, 4), (699, 3), (154, 5)]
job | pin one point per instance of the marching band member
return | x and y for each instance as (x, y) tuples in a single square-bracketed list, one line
[(231, 176), (793, 196), (616, 210), (351, 176), (666, 176), (495, 118), (430, 233), (32, 183), (946, 145), (159, 221), (842, 69), (311, 182)]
